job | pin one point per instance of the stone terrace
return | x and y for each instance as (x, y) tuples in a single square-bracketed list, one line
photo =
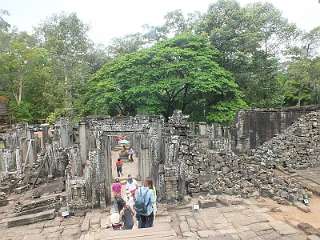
[(214, 221)]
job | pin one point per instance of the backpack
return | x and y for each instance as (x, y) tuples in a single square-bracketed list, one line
[(140, 205)]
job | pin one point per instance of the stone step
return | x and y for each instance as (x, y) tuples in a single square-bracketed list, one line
[(31, 218), (159, 231)]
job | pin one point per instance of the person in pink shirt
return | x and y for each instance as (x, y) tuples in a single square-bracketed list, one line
[(116, 188)]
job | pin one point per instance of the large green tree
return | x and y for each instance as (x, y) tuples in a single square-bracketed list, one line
[(179, 73), (65, 37), (251, 40)]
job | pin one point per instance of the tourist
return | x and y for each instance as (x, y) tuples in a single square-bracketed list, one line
[(126, 216), (154, 205), (131, 152), (131, 184), (144, 205), (116, 188), (119, 164)]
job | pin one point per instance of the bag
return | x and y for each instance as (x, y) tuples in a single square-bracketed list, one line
[(140, 205)]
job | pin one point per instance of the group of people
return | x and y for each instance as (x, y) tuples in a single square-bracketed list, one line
[(138, 204)]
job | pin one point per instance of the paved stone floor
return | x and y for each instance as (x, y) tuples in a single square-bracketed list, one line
[(245, 221)]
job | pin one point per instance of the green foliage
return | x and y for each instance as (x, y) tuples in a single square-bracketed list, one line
[(21, 112), (174, 74), (250, 40), (303, 82)]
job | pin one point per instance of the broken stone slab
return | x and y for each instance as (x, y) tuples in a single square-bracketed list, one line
[(229, 200), (207, 233), (48, 202), (302, 207), (283, 228), (207, 203), (308, 229), (32, 218), (33, 211)]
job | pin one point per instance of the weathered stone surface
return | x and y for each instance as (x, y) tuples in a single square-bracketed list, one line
[(33, 218), (308, 229), (86, 223), (313, 237), (302, 207), (283, 228)]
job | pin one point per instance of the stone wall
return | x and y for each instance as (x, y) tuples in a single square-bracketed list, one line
[(252, 128)]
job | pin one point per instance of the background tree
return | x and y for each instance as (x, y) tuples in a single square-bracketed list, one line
[(248, 39), (65, 37), (25, 70)]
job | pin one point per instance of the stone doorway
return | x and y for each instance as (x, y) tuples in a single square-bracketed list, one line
[(140, 168)]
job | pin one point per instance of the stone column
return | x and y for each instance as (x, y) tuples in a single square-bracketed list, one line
[(64, 133), (83, 142), (139, 151), (202, 128), (18, 161), (30, 152), (108, 168)]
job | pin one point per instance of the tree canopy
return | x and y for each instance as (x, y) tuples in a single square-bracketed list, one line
[(179, 73)]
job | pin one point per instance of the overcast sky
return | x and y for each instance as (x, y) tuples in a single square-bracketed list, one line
[(113, 18)]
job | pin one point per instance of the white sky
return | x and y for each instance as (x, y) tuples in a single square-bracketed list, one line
[(114, 18)]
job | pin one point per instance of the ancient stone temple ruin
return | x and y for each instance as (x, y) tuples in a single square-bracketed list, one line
[(68, 168)]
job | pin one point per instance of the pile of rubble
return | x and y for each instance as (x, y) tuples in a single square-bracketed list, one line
[(296, 148), (226, 173)]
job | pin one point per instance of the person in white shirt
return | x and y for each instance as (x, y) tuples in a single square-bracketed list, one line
[(131, 184)]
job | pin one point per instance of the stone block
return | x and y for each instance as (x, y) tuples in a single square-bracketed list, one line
[(247, 235), (204, 203), (302, 207), (32, 218), (308, 229), (207, 233), (283, 228)]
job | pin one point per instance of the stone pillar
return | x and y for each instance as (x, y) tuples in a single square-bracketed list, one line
[(83, 142), (30, 152), (140, 163), (64, 133), (108, 168), (202, 128), (18, 161)]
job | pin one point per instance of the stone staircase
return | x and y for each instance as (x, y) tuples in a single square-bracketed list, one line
[(159, 231)]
